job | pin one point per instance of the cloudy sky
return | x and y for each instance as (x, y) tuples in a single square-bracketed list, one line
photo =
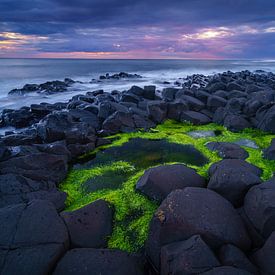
[(210, 29)]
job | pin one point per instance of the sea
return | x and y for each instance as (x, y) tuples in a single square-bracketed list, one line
[(15, 73)]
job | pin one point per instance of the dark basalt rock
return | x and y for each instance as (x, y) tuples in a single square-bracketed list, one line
[(118, 122), (228, 150), (31, 236), (158, 182), (16, 189), (87, 261), (157, 111), (4, 152), (60, 126), (119, 76), (40, 259), (234, 86), (259, 207), (38, 166), (234, 164), (236, 123), (168, 94), (187, 257), (91, 225), (215, 101), (128, 97), (149, 92), (49, 87), (18, 118), (20, 139), (232, 182), (106, 109), (175, 109), (267, 120), (191, 211), (216, 86), (269, 153), (265, 256), (193, 103), (230, 255), (227, 270), (195, 117)]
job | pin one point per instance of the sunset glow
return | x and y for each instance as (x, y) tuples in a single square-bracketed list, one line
[(130, 31)]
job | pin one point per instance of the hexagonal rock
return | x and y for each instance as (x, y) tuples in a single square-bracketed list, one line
[(228, 150), (195, 118), (187, 257), (91, 225), (227, 270), (158, 182), (192, 211), (234, 164), (32, 260), (259, 207), (265, 256), (32, 238), (87, 261), (231, 255), (233, 182)]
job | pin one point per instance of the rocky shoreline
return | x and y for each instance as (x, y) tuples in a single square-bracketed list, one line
[(224, 224)]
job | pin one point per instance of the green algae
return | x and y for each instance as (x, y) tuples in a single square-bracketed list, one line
[(113, 178)]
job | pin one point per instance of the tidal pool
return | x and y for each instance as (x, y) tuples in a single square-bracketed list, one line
[(112, 171), (141, 154)]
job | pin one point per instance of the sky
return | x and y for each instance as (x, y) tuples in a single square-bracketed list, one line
[(168, 29)]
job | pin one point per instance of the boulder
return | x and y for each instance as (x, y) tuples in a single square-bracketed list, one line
[(16, 189), (91, 225), (37, 166), (149, 92), (193, 103), (232, 182), (157, 111), (259, 207), (40, 259), (215, 102), (118, 122), (168, 94), (158, 182), (195, 118), (236, 123), (231, 255), (32, 238), (228, 150), (128, 97), (234, 86), (216, 86), (175, 109), (187, 257), (192, 211), (265, 256), (267, 120), (87, 261), (234, 164)]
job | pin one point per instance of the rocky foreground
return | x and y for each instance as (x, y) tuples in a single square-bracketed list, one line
[(222, 225)]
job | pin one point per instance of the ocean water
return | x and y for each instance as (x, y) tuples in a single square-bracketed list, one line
[(15, 73)]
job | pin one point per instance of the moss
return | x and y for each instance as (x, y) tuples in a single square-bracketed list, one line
[(133, 211)]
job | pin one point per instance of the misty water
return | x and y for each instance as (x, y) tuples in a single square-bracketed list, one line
[(15, 73)]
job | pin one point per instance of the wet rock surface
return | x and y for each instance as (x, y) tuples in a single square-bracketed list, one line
[(158, 182), (37, 238), (90, 226)]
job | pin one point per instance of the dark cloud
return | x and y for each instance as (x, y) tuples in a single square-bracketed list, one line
[(155, 25)]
